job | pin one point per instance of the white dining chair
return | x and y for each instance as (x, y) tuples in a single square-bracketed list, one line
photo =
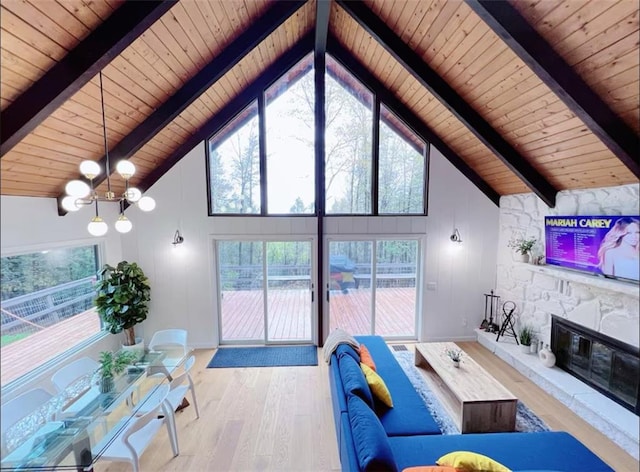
[(168, 338), (178, 389), (73, 371), (129, 443), (19, 408), (182, 384)]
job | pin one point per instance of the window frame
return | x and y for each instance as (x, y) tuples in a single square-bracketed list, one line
[(62, 357), (319, 211)]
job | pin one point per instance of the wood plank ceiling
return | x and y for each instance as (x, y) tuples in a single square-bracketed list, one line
[(598, 39)]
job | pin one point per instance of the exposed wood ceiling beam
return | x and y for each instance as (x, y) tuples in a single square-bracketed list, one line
[(450, 99), (192, 89), (323, 12), (362, 73), (552, 69), (77, 68), (235, 106)]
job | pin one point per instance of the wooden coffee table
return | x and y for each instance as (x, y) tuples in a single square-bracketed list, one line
[(477, 402)]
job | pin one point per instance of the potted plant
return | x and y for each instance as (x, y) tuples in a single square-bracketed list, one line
[(523, 246), (122, 299), (455, 355), (525, 335), (111, 365)]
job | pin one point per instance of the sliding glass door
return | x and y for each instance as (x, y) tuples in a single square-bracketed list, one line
[(372, 286), (265, 291)]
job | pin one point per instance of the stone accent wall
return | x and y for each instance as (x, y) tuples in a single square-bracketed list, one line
[(538, 295)]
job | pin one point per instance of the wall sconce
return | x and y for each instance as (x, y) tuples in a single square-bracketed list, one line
[(177, 238), (455, 237)]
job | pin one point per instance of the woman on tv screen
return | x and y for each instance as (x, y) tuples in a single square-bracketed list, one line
[(619, 251)]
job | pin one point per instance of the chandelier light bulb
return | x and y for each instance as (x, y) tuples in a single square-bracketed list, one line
[(146, 203), (77, 188), (126, 169), (97, 227), (90, 169), (69, 203), (133, 195), (123, 224)]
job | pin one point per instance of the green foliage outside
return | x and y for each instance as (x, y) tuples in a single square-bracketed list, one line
[(7, 339), (28, 273)]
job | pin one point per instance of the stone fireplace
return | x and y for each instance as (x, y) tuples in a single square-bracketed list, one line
[(606, 364)]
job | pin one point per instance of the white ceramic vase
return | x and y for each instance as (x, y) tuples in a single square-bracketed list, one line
[(547, 357)]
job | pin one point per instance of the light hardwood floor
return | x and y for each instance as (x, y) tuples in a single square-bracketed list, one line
[(280, 419)]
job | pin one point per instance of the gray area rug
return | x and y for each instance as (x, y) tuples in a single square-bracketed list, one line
[(526, 420)]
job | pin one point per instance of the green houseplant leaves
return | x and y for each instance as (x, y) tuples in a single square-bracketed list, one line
[(122, 300)]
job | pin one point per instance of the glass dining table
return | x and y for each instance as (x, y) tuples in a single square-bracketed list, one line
[(73, 429)]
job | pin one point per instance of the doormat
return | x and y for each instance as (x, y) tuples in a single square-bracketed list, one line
[(264, 356)]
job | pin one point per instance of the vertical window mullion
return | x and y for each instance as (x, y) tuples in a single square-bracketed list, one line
[(262, 145), (375, 155)]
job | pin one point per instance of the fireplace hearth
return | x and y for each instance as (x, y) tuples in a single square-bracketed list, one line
[(606, 364)]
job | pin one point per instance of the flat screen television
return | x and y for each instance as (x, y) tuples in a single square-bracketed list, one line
[(598, 244)]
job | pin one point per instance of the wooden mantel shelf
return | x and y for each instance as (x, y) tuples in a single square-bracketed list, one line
[(618, 286)]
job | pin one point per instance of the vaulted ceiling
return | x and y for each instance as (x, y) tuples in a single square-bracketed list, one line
[(522, 96)]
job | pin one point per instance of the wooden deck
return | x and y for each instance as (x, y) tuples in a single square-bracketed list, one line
[(242, 320), (289, 313), (24, 355)]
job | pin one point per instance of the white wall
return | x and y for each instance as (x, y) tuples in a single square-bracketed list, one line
[(182, 281), (183, 285), (463, 273), (32, 224), (539, 295)]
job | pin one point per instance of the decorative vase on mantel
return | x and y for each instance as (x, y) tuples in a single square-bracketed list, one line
[(456, 364), (547, 357), (523, 258)]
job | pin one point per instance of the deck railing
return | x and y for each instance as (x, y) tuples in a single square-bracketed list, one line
[(249, 277), (37, 310)]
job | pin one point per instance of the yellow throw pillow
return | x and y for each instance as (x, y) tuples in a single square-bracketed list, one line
[(430, 468), (377, 385), (465, 461)]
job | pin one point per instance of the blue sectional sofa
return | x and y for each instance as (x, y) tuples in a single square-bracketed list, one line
[(372, 436)]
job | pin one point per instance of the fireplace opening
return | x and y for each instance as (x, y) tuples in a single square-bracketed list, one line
[(606, 364)]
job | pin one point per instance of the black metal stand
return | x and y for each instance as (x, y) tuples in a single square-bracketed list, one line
[(507, 328), (491, 301)]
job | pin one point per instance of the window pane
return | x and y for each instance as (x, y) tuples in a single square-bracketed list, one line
[(234, 166), (290, 142), (396, 271), (241, 294), (47, 306), (401, 169), (348, 141)]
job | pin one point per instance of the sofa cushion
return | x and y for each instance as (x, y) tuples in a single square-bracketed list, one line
[(409, 415), (465, 461), (430, 468), (377, 385), (369, 438), (365, 357), (347, 350), (547, 450), (353, 380)]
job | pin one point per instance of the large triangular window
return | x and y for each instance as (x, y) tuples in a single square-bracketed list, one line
[(263, 161)]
